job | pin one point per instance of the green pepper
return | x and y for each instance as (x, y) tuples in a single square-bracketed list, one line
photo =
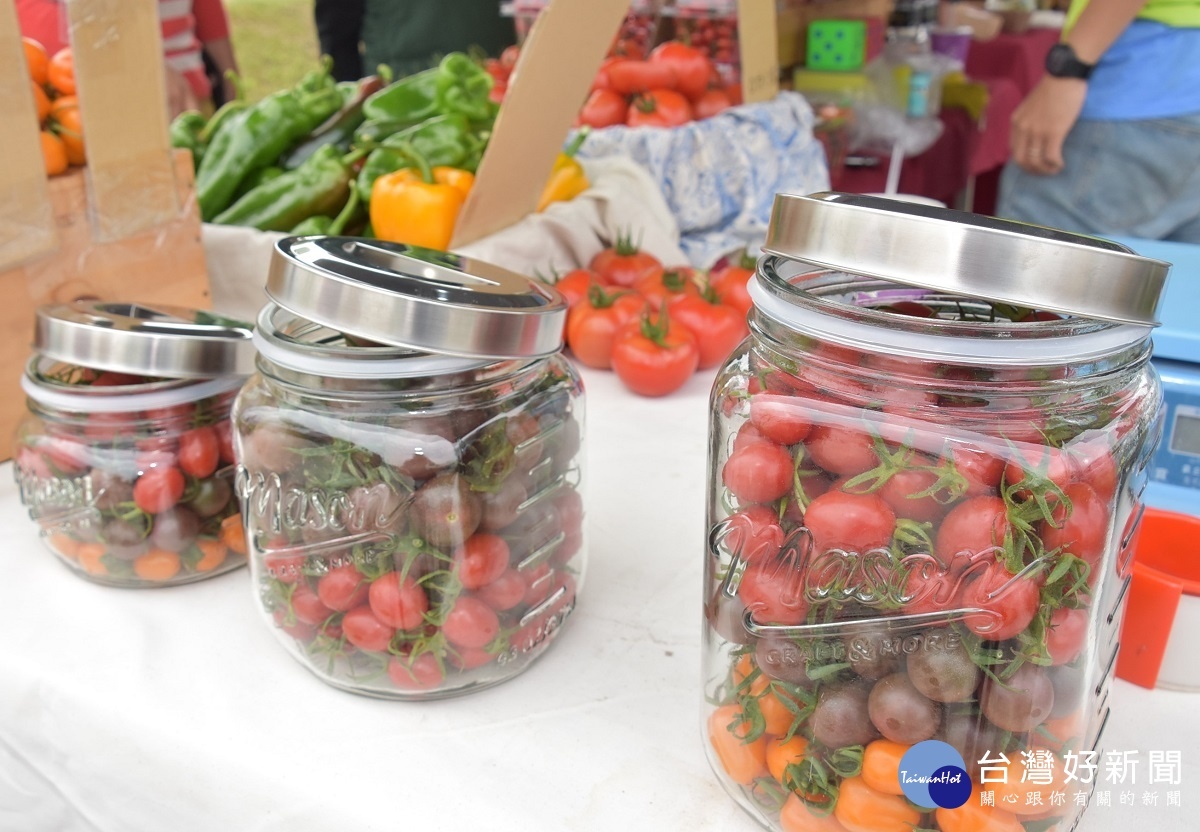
[(326, 226), (410, 99), (443, 141), (463, 86), (320, 186), (186, 130), (256, 137), (339, 129), (374, 132), (256, 178), (313, 226)]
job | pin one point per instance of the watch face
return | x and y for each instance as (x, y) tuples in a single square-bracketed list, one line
[(1062, 63)]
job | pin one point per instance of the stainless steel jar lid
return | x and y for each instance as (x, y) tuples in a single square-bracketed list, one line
[(418, 298), (969, 255), (144, 339)]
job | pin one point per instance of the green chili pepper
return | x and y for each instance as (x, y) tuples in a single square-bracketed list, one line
[(256, 178), (374, 132), (332, 226), (339, 129), (443, 141), (186, 130), (410, 99), (463, 87), (319, 186), (313, 226)]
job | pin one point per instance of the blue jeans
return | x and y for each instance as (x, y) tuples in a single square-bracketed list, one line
[(1130, 178)]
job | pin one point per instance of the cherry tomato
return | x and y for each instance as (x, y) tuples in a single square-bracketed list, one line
[(854, 522), (36, 60), (718, 328), (1066, 636), (307, 606), (667, 286), (421, 673), (653, 358), (604, 108), (1094, 465), (754, 533), (774, 592), (981, 469), (505, 592), (899, 491), (975, 526), (60, 72), (480, 560), (158, 489), (1082, 529), (575, 284), (398, 603), (199, 452), (973, 816), (1009, 603), (782, 419), (862, 809), (731, 280), (1038, 467), (343, 587), (624, 264), (470, 623), (881, 766), (841, 449), (365, 631), (758, 472), (593, 324), (224, 430), (628, 76), (659, 108)]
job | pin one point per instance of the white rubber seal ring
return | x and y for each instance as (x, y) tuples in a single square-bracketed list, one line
[(431, 365), (128, 402)]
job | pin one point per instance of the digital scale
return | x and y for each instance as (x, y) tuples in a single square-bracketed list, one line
[(1175, 470)]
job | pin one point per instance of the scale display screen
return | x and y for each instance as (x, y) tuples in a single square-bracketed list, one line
[(1185, 432)]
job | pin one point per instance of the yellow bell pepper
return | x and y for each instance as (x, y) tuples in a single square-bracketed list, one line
[(567, 179), (419, 206)]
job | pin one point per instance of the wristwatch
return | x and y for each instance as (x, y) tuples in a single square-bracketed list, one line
[(1062, 62)]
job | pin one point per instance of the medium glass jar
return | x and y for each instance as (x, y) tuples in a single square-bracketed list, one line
[(415, 520), (920, 514), (125, 459)]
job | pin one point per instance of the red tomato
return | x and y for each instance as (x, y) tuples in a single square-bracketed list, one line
[(1093, 464), (307, 606), (509, 57), (604, 108), (718, 328), (973, 526), (628, 76), (981, 469), (480, 560), (421, 673), (624, 264), (224, 430), (774, 593), (1038, 468), (1067, 635), (343, 587), (842, 450), (593, 324), (710, 104), (668, 286), (653, 358), (574, 285), (758, 472), (601, 81), (506, 592), (899, 489), (199, 452), (158, 489), (1083, 529), (64, 456), (689, 66), (754, 533), (470, 623), (1010, 603), (659, 108), (365, 631), (734, 91), (730, 283), (854, 522), (398, 603), (782, 419)]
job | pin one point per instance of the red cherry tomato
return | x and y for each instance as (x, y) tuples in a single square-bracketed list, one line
[(841, 449), (854, 522), (593, 324), (899, 491), (718, 328), (1066, 636), (481, 559), (653, 358), (343, 588), (421, 673), (505, 592), (624, 264), (758, 472), (158, 489), (307, 606), (1010, 603), (975, 526), (398, 603), (365, 631), (774, 593), (1082, 529), (668, 286), (730, 283), (782, 419), (754, 533), (199, 452), (470, 623)]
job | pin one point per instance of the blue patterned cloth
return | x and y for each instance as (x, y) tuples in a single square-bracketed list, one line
[(720, 175)]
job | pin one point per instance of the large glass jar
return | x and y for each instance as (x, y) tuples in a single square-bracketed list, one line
[(125, 459), (415, 520), (921, 504)]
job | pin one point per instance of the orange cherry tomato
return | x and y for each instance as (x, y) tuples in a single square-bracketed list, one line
[(233, 534), (60, 72), (89, 555), (54, 154), (36, 60), (795, 816), (41, 101), (1030, 798), (157, 565), (781, 754), (215, 553), (972, 816), (862, 809), (881, 766), (68, 547), (68, 126), (743, 761)]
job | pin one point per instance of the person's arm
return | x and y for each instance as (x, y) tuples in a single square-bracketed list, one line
[(212, 30), (1041, 123)]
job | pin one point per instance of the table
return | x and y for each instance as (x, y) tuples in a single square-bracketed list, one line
[(145, 711), (970, 155)]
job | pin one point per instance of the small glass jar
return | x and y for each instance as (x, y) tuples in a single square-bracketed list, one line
[(415, 518), (125, 459), (922, 497)]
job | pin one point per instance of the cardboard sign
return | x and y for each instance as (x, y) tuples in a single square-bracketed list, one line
[(558, 63), (758, 42)]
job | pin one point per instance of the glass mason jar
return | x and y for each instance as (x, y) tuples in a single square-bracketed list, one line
[(415, 520), (920, 515), (125, 459)]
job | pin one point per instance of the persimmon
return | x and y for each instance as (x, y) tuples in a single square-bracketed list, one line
[(60, 72), (68, 126), (36, 60), (54, 153), (41, 101)]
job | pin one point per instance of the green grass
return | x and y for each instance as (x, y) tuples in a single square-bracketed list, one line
[(275, 42)]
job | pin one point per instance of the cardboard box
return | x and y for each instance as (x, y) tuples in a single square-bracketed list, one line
[(126, 226)]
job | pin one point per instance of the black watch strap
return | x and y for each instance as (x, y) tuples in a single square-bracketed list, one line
[(1062, 62)]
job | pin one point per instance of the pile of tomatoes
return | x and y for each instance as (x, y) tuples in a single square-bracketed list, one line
[(52, 78), (134, 498), (714, 31), (654, 325)]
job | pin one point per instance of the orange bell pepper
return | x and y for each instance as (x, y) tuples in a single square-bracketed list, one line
[(419, 206)]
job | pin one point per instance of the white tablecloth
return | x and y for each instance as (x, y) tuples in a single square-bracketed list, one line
[(175, 709)]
